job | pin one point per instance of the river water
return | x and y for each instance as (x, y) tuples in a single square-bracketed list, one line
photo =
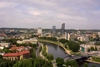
[(58, 51)]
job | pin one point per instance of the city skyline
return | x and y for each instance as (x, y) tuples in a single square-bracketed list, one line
[(47, 13)]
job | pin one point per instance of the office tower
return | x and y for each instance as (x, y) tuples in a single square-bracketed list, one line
[(53, 29), (39, 31), (63, 28)]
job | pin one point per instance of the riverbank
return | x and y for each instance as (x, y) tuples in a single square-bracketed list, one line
[(57, 43), (92, 61)]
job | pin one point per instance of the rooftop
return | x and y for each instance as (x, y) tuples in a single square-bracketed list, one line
[(16, 54)]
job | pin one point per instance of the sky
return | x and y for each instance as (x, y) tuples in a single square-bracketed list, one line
[(76, 14)]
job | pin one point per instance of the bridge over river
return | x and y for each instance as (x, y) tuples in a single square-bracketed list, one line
[(76, 57)]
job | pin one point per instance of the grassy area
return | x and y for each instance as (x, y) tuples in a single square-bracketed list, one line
[(97, 59), (54, 42), (77, 53)]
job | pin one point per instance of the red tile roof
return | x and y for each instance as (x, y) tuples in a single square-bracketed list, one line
[(24, 52), (11, 54), (16, 48), (16, 54)]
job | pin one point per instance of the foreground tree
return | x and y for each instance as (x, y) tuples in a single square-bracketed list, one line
[(50, 57), (24, 63), (93, 66), (59, 61), (85, 64), (71, 63), (33, 55)]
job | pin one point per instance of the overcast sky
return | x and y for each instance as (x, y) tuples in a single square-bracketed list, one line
[(76, 14)]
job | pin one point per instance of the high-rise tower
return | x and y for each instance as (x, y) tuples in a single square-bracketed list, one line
[(53, 29), (63, 28)]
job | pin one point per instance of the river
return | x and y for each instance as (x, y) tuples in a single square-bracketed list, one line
[(58, 51)]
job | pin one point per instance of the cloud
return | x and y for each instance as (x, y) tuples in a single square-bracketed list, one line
[(4, 4), (46, 13)]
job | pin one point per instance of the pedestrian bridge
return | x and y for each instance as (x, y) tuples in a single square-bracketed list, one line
[(77, 57)]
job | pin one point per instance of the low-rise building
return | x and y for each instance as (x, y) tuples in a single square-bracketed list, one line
[(17, 56), (5, 44), (21, 48), (32, 40)]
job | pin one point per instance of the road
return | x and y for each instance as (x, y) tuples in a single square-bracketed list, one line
[(37, 51)]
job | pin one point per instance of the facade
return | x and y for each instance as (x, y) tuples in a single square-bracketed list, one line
[(63, 28), (17, 56), (5, 44), (83, 38), (39, 30)]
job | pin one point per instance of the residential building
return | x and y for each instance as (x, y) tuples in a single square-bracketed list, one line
[(5, 44), (83, 38), (67, 35)]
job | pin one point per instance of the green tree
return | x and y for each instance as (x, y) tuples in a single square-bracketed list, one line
[(59, 61), (73, 46), (38, 62), (85, 64), (33, 55), (50, 57), (88, 50), (92, 48), (93, 66), (95, 49), (24, 63), (3, 64), (67, 63), (1, 57), (63, 41)]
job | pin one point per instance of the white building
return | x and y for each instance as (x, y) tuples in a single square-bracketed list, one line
[(39, 30), (67, 35), (99, 34), (83, 38), (32, 40), (1, 47), (5, 44)]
